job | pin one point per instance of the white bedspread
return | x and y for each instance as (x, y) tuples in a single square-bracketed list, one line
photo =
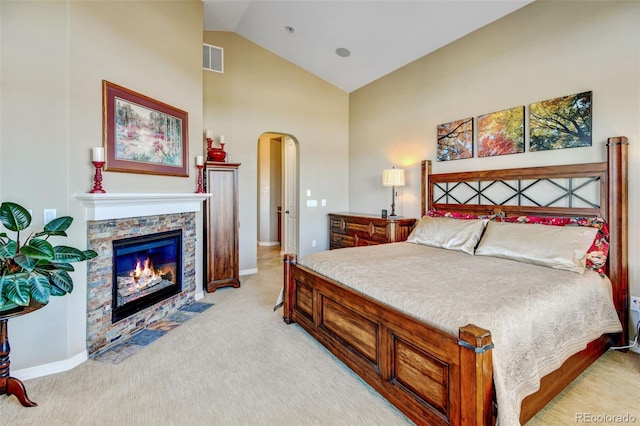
[(538, 316)]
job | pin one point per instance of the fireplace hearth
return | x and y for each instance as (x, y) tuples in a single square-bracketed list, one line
[(146, 270)]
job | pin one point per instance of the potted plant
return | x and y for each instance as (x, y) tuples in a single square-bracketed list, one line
[(32, 270)]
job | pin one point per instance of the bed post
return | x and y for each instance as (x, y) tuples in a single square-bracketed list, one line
[(427, 200), (618, 234), (476, 372), (289, 261)]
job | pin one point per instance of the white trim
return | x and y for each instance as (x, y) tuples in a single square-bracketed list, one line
[(268, 243), (124, 205), (249, 271), (51, 368)]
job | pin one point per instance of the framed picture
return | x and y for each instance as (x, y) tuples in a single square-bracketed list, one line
[(142, 135), (560, 123), (455, 140), (501, 132)]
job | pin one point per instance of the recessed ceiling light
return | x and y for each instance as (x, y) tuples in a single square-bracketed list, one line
[(289, 29), (343, 52)]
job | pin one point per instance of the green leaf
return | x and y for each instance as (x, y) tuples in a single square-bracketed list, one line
[(9, 249), (40, 288), (38, 249), (54, 266), (17, 291), (64, 254), (63, 281), (59, 224), (14, 217), (89, 254), (25, 262)]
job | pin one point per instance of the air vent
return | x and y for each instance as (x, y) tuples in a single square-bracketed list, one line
[(212, 58)]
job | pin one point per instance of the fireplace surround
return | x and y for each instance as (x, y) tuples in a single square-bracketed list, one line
[(112, 217)]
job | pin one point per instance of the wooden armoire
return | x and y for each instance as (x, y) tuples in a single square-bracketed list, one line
[(221, 226)]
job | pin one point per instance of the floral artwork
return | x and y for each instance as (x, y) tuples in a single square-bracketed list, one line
[(146, 135), (501, 132), (560, 123), (143, 135), (455, 140)]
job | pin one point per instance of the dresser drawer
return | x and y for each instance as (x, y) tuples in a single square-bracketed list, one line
[(339, 240), (350, 229)]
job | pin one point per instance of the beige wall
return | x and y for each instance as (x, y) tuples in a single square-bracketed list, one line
[(260, 92), (54, 56), (545, 50)]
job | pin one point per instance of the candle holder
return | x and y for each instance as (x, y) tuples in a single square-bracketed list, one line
[(97, 178), (200, 189)]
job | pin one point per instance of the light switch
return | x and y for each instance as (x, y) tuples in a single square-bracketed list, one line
[(49, 215), (312, 203), (308, 193)]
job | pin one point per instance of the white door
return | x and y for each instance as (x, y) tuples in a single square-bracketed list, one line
[(290, 197)]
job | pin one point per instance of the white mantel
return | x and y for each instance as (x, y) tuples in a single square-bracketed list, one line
[(124, 205)]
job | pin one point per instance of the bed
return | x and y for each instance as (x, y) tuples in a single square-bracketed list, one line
[(435, 376)]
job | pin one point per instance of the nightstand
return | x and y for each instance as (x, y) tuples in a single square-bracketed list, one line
[(354, 229)]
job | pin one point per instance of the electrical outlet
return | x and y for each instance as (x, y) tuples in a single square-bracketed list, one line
[(635, 304), (313, 243), (49, 215)]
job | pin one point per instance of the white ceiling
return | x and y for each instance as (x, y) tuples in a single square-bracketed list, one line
[(382, 35)]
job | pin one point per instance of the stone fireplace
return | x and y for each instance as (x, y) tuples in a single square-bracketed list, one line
[(157, 229)]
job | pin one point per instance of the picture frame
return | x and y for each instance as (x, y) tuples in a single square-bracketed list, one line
[(501, 132), (558, 123), (143, 135), (455, 140)]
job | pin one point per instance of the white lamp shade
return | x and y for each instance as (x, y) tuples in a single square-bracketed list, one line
[(393, 177)]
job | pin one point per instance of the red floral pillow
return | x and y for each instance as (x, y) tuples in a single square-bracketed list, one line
[(599, 250)]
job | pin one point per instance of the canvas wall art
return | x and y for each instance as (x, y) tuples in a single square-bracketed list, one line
[(143, 135), (501, 132), (455, 140), (560, 123)]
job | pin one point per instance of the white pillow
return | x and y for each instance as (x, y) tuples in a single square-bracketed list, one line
[(448, 233), (560, 247)]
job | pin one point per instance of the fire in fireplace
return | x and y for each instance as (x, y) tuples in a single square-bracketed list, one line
[(146, 270)]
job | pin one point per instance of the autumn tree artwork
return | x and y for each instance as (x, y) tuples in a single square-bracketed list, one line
[(560, 123), (455, 140), (501, 132)]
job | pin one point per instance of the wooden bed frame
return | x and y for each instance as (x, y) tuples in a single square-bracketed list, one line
[(432, 376)]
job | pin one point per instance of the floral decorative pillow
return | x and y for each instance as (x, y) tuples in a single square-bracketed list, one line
[(599, 250), (454, 215)]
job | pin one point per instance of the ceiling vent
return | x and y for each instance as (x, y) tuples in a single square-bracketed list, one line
[(212, 58)]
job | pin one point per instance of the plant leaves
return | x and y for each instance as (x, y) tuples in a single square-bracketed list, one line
[(54, 266), (59, 224), (64, 254), (9, 249), (25, 262), (14, 217), (40, 288), (89, 254), (38, 249), (63, 281), (17, 291)]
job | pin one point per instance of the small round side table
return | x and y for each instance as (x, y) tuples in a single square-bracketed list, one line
[(10, 385)]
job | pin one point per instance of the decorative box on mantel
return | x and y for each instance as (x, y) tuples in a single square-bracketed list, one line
[(115, 217)]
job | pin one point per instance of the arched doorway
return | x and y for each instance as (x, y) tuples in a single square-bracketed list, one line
[(278, 201)]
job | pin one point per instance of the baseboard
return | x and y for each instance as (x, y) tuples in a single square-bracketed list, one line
[(249, 271), (52, 368), (268, 243)]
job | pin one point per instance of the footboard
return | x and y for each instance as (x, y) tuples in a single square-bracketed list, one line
[(431, 376)]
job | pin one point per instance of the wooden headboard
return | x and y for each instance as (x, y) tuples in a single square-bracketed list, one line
[(610, 178)]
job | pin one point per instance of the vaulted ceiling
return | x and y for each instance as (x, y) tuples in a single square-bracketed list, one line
[(380, 36)]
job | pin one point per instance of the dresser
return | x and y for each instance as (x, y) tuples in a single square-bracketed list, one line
[(353, 229), (221, 262)]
